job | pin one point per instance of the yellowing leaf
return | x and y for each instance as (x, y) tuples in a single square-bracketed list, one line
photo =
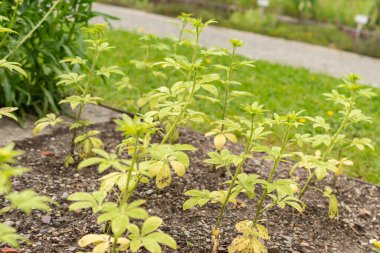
[(92, 239), (333, 202), (164, 177), (102, 242), (249, 241), (219, 141), (178, 167), (231, 137)]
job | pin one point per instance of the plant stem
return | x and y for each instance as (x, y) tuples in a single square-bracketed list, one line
[(237, 172), (92, 70), (227, 85), (33, 29), (114, 245), (134, 158), (75, 132), (330, 146), (133, 188), (271, 175), (84, 92), (192, 73), (169, 134)]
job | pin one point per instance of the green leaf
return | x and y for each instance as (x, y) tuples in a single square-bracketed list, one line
[(333, 202), (70, 78), (7, 111), (107, 71), (163, 238), (50, 120), (12, 66), (150, 225), (8, 235), (28, 200), (74, 60), (361, 143), (89, 162), (119, 225), (210, 88), (198, 198), (85, 200)]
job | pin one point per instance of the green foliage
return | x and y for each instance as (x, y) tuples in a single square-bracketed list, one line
[(285, 83), (83, 141), (184, 79), (49, 39), (26, 200), (148, 238), (146, 161), (9, 235), (328, 139)]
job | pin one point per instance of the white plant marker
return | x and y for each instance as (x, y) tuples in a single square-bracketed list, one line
[(361, 20), (263, 4)]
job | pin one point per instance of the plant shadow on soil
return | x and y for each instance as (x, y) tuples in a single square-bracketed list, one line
[(312, 231)]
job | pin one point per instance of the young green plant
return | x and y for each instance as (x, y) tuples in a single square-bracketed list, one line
[(322, 162), (82, 141), (222, 132), (146, 161), (174, 102)]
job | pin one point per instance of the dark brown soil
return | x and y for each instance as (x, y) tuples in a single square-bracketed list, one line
[(313, 231)]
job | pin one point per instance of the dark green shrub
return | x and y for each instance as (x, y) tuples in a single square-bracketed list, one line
[(58, 36)]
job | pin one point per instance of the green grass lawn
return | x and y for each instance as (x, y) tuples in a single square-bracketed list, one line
[(280, 88), (327, 33)]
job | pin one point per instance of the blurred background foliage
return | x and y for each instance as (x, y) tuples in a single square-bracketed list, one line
[(59, 36), (323, 22)]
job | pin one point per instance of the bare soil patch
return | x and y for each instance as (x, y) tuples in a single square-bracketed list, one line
[(312, 231)]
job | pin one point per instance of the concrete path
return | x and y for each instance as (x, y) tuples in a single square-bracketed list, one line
[(316, 58), (10, 131)]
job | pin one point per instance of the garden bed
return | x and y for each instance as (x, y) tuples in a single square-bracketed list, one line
[(313, 231)]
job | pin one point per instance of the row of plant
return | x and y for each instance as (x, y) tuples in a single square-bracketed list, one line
[(266, 82), (123, 222), (163, 110), (251, 19)]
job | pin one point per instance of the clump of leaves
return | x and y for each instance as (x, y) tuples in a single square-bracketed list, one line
[(80, 79), (145, 162), (280, 191), (171, 104), (26, 200), (334, 142), (49, 29)]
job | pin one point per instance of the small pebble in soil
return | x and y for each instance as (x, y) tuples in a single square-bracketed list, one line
[(46, 219), (148, 192), (64, 195)]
